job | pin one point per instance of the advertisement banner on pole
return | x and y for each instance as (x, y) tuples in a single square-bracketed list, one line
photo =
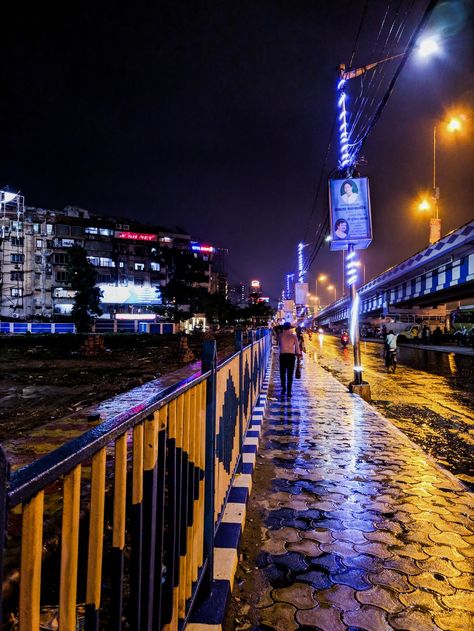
[(350, 216), (301, 293)]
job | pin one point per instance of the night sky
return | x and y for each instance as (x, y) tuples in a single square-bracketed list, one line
[(216, 116)]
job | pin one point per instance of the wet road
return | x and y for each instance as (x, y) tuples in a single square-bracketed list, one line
[(430, 398)]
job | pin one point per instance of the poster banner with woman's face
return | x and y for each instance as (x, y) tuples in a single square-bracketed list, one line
[(349, 207)]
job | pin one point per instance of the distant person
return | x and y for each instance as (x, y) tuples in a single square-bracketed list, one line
[(341, 229), (349, 192), (390, 347), (416, 335), (289, 351), (425, 335), (437, 336)]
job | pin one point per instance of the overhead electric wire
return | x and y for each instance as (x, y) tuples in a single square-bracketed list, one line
[(411, 44)]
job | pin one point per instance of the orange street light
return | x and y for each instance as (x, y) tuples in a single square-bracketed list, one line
[(331, 288)]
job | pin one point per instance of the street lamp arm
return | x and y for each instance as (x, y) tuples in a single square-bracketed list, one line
[(352, 73)]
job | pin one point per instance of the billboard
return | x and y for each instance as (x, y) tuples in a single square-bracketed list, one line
[(301, 293), (349, 209)]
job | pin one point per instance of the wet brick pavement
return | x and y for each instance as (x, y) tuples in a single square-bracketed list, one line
[(350, 526)]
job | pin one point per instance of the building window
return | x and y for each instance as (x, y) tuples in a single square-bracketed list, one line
[(106, 232), (17, 241), (17, 226), (60, 259), (39, 243), (37, 228), (17, 258), (76, 231), (16, 275), (49, 228), (61, 277), (91, 230), (121, 264), (16, 292), (140, 267), (38, 259), (155, 267), (63, 230), (106, 262)]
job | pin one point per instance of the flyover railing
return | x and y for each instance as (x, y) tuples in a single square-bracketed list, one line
[(138, 499)]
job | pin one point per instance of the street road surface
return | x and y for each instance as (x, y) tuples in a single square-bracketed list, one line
[(430, 397)]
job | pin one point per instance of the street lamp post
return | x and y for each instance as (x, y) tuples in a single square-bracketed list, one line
[(452, 126), (320, 278)]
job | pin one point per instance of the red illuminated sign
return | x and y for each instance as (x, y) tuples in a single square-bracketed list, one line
[(135, 236)]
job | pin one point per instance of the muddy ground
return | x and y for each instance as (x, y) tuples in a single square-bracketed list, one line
[(47, 377)]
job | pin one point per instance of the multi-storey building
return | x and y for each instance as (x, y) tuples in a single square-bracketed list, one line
[(34, 245)]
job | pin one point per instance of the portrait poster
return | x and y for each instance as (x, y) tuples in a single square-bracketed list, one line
[(350, 217), (301, 293)]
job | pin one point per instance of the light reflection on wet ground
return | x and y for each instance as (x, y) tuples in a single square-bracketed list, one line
[(430, 398)]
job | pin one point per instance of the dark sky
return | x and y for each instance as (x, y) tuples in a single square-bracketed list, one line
[(216, 116)]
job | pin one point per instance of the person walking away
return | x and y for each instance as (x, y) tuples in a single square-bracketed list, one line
[(425, 335), (289, 351), (391, 351)]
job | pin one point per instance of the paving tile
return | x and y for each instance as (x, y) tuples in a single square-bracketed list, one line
[(454, 621), (461, 599), (450, 539), (323, 617), (413, 620), (386, 599), (368, 618), (341, 596), (305, 546), (442, 566), (280, 616), (435, 582), (403, 564), (464, 581), (374, 548), (444, 552), (422, 599), (300, 595)]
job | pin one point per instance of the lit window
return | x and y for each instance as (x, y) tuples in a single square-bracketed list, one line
[(140, 267), (155, 267), (17, 225), (105, 232), (49, 228), (106, 262), (91, 230), (16, 292), (39, 243)]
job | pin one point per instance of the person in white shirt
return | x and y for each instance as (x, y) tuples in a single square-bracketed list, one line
[(289, 351), (391, 351)]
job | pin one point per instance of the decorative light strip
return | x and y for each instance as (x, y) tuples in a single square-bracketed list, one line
[(354, 317), (301, 271)]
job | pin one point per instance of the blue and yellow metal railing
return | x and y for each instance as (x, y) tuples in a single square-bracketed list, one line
[(141, 498)]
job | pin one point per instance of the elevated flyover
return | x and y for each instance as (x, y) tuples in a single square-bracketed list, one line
[(443, 272)]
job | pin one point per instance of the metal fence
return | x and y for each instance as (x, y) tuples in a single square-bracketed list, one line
[(140, 497)]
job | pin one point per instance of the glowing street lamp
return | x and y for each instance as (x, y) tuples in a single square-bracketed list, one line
[(321, 278), (428, 46), (453, 125), (333, 288)]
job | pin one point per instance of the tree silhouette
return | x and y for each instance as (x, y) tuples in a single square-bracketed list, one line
[(82, 277)]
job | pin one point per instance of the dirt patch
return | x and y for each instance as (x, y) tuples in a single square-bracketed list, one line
[(44, 378)]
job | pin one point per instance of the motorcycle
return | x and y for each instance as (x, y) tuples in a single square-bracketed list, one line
[(344, 340)]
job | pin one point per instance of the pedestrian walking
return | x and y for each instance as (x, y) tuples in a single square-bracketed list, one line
[(425, 335), (391, 351), (289, 351)]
